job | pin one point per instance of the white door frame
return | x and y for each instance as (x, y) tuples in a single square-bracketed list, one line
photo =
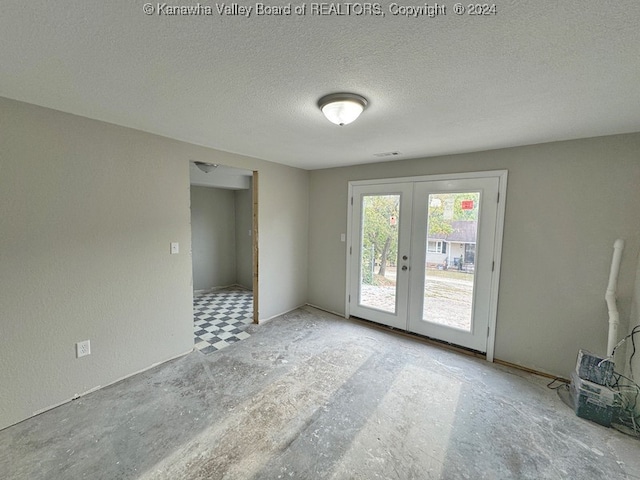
[(397, 318), (495, 279)]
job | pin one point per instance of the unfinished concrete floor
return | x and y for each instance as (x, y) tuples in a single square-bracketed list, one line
[(313, 396)]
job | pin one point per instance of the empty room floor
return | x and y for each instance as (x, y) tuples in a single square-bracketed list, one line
[(220, 318), (312, 396)]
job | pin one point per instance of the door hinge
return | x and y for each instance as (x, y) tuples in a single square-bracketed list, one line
[(493, 265), (487, 332), (349, 298), (351, 200), (498, 197), (350, 250)]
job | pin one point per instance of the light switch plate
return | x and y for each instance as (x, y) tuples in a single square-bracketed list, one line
[(175, 248)]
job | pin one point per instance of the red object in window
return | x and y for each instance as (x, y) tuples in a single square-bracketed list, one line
[(467, 204)]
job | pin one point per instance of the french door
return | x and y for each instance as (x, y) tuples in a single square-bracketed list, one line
[(424, 255)]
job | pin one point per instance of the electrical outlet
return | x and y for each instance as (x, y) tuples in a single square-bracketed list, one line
[(83, 349)]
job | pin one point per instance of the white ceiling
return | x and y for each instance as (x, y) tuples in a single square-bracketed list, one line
[(537, 71)]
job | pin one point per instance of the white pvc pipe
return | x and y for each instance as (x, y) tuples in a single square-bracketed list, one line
[(610, 296)]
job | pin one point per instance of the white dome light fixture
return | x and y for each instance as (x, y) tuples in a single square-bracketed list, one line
[(342, 108), (206, 167)]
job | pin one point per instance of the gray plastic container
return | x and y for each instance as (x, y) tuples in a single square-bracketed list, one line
[(592, 401), (594, 368)]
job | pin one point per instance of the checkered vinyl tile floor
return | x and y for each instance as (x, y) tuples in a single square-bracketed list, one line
[(221, 317)]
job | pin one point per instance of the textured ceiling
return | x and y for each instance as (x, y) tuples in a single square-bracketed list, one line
[(537, 71)]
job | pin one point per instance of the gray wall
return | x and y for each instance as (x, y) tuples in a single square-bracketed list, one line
[(213, 237), (567, 202), (88, 213), (221, 246)]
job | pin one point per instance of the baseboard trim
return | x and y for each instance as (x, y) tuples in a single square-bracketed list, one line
[(529, 370), (341, 315), (217, 289), (263, 320)]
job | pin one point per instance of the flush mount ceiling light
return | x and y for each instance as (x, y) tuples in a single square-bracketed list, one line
[(342, 108), (206, 167)]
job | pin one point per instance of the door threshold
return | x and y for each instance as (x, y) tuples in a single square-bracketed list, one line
[(420, 338)]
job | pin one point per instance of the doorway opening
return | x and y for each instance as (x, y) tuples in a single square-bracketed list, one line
[(223, 253), (424, 255)]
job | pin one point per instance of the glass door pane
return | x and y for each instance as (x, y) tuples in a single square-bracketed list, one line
[(449, 270), (379, 252), (380, 256)]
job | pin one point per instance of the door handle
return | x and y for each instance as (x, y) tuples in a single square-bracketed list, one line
[(404, 268), (404, 257)]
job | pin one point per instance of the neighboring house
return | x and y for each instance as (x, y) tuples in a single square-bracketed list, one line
[(447, 249)]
